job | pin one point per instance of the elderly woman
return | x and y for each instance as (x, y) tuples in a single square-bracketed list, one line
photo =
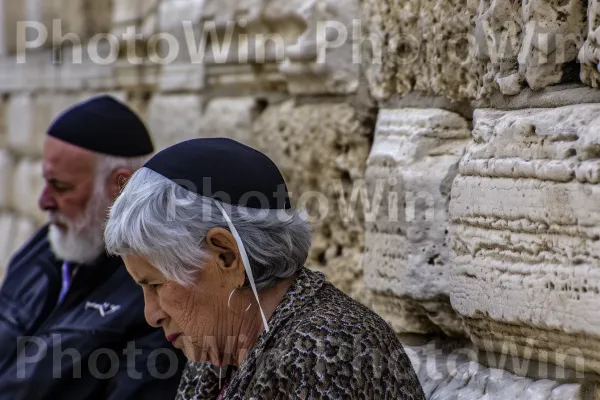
[(207, 230)]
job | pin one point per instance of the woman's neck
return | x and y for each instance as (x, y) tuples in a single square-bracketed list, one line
[(251, 324)]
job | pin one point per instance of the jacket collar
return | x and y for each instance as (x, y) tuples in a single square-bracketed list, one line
[(298, 296)]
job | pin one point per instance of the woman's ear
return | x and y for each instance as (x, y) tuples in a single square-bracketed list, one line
[(222, 242)]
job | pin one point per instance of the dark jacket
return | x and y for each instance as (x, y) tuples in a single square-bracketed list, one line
[(321, 345), (95, 345)]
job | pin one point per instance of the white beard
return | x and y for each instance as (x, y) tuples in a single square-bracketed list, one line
[(83, 241)]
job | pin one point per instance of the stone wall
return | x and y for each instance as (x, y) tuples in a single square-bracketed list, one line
[(447, 149), (246, 70)]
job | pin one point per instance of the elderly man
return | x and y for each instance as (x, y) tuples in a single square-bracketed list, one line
[(71, 319)]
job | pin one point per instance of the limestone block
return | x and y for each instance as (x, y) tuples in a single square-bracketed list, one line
[(141, 14), (28, 118), (553, 33), (27, 186), (323, 59), (172, 119), (321, 150), (3, 135), (589, 54), (470, 49), (6, 239), (14, 233), (421, 45), (11, 12), (133, 77), (232, 32), (287, 35), (24, 228), (172, 14), (180, 117), (498, 36), (13, 76), (447, 373), (410, 170), (525, 218), (33, 72), (7, 164), (48, 107), (20, 121), (230, 117), (180, 77), (81, 69), (77, 19)]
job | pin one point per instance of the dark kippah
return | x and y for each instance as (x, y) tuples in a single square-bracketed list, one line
[(225, 170), (103, 125)]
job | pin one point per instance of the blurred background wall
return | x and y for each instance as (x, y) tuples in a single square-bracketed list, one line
[(447, 152)]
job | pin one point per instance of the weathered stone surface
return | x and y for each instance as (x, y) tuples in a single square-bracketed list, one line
[(410, 170), (331, 143), (6, 237), (471, 49), (181, 117), (7, 164), (180, 77), (20, 120), (81, 70), (11, 12), (421, 45), (287, 35), (174, 118), (14, 232), (78, 19), (141, 14), (27, 186), (525, 214), (230, 117), (173, 12), (34, 72), (322, 60), (498, 33), (552, 96), (3, 133), (446, 372), (589, 54), (135, 77), (553, 33)]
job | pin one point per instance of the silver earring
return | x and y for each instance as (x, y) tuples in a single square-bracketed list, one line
[(229, 302)]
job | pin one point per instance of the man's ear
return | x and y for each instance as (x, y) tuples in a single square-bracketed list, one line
[(223, 244), (116, 181)]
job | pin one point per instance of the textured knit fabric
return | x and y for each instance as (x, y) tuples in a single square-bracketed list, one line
[(321, 345)]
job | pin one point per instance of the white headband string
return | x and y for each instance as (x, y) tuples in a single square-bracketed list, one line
[(242, 249)]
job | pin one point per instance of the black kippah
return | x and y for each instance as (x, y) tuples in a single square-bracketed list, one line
[(225, 170), (103, 125)]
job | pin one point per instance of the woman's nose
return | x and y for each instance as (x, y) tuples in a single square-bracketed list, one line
[(154, 314)]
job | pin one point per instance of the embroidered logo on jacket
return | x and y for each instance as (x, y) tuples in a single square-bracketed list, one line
[(104, 309)]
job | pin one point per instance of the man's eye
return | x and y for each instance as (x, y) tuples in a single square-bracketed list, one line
[(59, 187), (154, 286)]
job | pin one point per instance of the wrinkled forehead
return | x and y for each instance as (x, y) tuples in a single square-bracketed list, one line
[(62, 158)]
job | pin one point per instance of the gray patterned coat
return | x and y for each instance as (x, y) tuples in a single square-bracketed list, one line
[(321, 345)]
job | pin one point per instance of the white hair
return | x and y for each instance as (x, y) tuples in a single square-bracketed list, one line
[(83, 242), (166, 224)]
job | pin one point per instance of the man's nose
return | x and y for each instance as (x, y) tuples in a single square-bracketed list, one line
[(46, 201)]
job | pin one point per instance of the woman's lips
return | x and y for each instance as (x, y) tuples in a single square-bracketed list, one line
[(173, 337)]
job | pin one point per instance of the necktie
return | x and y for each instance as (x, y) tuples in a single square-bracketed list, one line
[(67, 270)]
